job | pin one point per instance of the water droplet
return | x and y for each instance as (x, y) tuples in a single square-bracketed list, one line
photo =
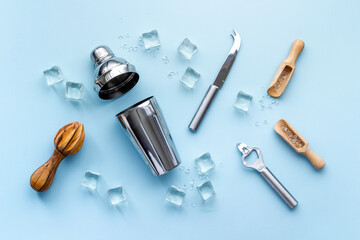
[(184, 187), (121, 20), (171, 74), (257, 124), (182, 168), (265, 122), (127, 35), (165, 59), (191, 187), (221, 164), (120, 37), (194, 204), (187, 171)]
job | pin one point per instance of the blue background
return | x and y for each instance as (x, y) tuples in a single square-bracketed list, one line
[(321, 101)]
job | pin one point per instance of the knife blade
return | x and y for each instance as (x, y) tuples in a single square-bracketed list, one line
[(218, 83)]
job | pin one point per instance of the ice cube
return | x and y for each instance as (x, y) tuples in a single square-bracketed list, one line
[(243, 101), (206, 190), (165, 59), (73, 90), (53, 75), (190, 77), (116, 195), (151, 39), (187, 49), (204, 163), (175, 196), (91, 180)]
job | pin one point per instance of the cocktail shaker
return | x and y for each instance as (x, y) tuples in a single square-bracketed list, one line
[(114, 76), (145, 125)]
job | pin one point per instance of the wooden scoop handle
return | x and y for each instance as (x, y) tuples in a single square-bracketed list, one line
[(317, 161), (295, 50), (43, 177)]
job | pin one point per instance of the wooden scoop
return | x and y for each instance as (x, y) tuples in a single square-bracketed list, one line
[(298, 142), (285, 70), (68, 141)]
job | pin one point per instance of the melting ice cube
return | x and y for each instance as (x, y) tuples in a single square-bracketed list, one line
[(206, 190), (116, 195), (53, 75), (73, 90), (204, 163), (91, 180), (175, 196), (151, 39), (243, 101), (187, 49), (190, 77)]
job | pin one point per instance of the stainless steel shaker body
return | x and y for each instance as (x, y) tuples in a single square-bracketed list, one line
[(145, 125)]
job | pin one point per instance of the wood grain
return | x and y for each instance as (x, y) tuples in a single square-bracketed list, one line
[(298, 143), (68, 141), (285, 70)]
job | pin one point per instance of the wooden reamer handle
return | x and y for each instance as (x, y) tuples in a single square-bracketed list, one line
[(43, 177)]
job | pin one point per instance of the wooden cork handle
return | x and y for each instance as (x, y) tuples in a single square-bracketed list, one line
[(295, 50), (317, 161), (43, 177)]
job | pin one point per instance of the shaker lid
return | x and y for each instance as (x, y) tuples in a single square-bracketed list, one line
[(113, 76)]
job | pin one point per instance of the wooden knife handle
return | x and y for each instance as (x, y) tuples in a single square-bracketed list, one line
[(43, 177)]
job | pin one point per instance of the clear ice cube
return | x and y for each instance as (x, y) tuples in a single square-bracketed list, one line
[(151, 39), (204, 163), (190, 77), (117, 195), (73, 90), (187, 49), (91, 180), (243, 101), (175, 196), (53, 75), (206, 190)]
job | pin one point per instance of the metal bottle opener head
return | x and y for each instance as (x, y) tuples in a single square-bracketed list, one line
[(113, 76), (260, 166), (245, 151)]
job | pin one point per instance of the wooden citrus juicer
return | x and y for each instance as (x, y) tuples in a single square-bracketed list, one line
[(68, 141), (298, 142), (285, 70)]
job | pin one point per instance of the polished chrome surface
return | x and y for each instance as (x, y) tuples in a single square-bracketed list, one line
[(218, 83), (145, 125), (113, 76), (260, 166), (225, 69), (205, 104)]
